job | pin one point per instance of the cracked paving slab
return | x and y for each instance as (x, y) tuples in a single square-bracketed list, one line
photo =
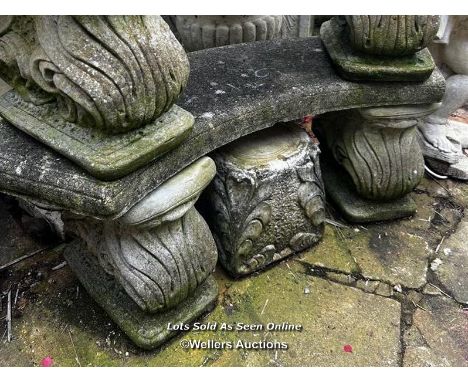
[(438, 335), (394, 252), (389, 254), (332, 316), (381, 252), (331, 253), (451, 264)]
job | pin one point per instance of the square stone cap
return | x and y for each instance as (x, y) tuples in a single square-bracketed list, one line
[(399, 112), (174, 197), (232, 91), (266, 148)]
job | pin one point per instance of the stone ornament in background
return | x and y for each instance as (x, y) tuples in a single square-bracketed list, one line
[(381, 48), (442, 140), (267, 199), (153, 265), (203, 32), (300, 26), (379, 149), (98, 89)]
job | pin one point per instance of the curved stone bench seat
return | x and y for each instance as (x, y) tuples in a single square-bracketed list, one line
[(232, 91)]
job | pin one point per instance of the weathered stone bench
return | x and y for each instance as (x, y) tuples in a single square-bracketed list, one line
[(232, 91)]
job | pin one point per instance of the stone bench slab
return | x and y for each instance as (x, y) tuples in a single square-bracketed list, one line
[(233, 91)]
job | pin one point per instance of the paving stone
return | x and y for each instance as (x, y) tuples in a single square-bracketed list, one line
[(438, 336), (421, 220), (330, 253), (340, 278), (452, 270), (434, 189), (332, 316), (375, 287), (432, 290), (387, 253), (446, 188)]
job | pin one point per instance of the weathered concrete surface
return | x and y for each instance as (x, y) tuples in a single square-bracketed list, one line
[(390, 254), (232, 91), (452, 271), (439, 334)]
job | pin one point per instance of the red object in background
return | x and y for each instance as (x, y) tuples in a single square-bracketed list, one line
[(307, 125), (47, 361), (307, 119), (348, 348)]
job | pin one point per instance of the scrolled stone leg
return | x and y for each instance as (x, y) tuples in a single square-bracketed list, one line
[(379, 150), (381, 47), (152, 266), (100, 90), (267, 199)]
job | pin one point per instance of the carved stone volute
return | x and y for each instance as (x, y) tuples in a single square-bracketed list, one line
[(113, 73), (391, 35)]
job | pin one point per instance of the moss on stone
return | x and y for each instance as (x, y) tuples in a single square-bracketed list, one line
[(331, 253)]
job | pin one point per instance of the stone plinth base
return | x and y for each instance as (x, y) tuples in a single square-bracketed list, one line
[(356, 66), (355, 208), (144, 329), (266, 201), (105, 156)]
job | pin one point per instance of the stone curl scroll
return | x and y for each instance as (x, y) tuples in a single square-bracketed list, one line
[(109, 72), (113, 73), (158, 267)]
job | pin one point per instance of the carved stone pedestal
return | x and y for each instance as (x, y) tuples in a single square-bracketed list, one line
[(100, 90), (381, 48), (267, 199), (379, 150), (145, 329), (153, 265)]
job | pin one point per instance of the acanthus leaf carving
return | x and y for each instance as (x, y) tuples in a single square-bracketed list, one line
[(311, 192), (158, 267), (240, 191), (113, 73)]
